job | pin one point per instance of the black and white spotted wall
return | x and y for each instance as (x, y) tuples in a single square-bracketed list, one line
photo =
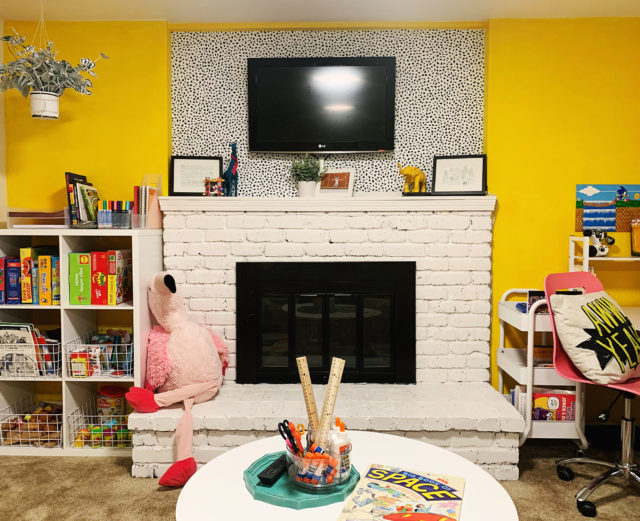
[(439, 99)]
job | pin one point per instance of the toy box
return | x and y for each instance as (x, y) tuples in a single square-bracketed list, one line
[(55, 280), (99, 267), (79, 279), (118, 276), (12, 280), (553, 405), (2, 290), (25, 277)]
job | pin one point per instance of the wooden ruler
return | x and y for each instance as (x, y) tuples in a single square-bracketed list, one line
[(335, 375), (307, 391)]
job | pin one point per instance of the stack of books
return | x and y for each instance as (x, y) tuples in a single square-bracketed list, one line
[(83, 201), (32, 278), (100, 278)]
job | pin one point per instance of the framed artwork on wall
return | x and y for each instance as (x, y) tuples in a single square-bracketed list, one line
[(188, 173), (459, 175), (336, 183)]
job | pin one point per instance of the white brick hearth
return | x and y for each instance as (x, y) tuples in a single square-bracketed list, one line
[(450, 240)]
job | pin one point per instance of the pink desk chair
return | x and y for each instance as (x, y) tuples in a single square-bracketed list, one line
[(563, 365)]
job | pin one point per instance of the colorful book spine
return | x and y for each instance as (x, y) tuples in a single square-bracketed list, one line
[(99, 267), (55, 281), (3, 294), (25, 276), (79, 279), (44, 278), (12, 274)]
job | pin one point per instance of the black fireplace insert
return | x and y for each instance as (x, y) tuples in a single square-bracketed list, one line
[(363, 312)]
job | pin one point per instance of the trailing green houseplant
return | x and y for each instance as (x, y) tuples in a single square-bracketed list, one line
[(307, 169), (36, 71)]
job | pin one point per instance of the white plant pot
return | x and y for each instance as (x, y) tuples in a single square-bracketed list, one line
[(307, 188), (44, 105)]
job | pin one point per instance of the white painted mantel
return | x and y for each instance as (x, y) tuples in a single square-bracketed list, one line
[(379, 202), (449, 238)]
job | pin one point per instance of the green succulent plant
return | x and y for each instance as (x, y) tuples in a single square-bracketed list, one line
[(38, 70), (306, 169)]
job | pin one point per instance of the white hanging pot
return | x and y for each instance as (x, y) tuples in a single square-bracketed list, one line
[(307, 188), (44, 105)]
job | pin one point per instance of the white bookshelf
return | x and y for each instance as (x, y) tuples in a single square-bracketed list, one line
[(74, 321)]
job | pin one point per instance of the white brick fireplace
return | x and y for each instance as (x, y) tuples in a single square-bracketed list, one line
[(450, 240)]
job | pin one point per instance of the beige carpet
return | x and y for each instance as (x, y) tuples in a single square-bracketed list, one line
[(101, 489)]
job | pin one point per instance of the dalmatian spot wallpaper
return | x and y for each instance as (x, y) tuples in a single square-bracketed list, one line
[(439, 100)]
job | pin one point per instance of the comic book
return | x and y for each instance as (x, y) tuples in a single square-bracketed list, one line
[(395, 494)]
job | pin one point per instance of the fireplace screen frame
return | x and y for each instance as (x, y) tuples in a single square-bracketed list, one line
[(254, 280)]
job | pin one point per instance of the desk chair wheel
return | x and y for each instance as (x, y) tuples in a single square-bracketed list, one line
[(564, 473), (587, 508)]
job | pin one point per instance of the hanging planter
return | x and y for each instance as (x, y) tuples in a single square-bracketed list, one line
[(37, 73), (44, 105)]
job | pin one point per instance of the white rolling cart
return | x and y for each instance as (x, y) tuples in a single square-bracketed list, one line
[(77, 395), (518, 364)]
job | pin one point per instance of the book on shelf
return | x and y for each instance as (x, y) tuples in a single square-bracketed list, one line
[(89, 200), (70, 180), (392, 493), (26, 351), (18, 350)]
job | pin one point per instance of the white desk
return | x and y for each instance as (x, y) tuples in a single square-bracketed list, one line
[(217, 491)]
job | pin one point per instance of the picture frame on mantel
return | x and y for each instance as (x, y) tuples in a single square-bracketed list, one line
[(336, 183), (187, 174), (459, 175)]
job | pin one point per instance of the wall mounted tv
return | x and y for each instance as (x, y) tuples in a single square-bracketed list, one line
[(321, 105)]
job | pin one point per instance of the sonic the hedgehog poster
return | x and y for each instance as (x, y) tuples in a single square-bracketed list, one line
[(394, 494)]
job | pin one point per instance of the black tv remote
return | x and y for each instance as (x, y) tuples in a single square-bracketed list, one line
[(272, 473)]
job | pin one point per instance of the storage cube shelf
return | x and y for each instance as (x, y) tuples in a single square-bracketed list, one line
[(122, 364)]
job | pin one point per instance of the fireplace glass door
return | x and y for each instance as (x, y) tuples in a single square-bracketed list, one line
[(363, 312)]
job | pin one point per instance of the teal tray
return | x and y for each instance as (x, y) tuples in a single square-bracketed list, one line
[(283, 493)]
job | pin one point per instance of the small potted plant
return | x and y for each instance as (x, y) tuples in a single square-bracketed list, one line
[(307, 172), (37, 72)]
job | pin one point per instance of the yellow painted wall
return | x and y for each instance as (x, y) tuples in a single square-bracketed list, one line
[(562, 108), (114, 136)]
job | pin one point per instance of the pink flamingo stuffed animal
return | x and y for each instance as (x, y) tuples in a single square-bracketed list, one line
[(185, 363)]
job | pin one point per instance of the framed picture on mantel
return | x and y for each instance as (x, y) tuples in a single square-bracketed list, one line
[(336, 183), (188, 173), (459, 175)]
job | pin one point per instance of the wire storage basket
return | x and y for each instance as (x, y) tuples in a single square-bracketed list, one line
[(22, 360), (86, 358), (30, 424), (88, 429)]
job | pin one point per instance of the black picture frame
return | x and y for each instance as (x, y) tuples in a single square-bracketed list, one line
[(476, 163), (183, 172)]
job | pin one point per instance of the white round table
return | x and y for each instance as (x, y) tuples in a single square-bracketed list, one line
[(217, 490)]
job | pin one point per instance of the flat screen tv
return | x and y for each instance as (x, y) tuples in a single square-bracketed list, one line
[(321, 105)]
